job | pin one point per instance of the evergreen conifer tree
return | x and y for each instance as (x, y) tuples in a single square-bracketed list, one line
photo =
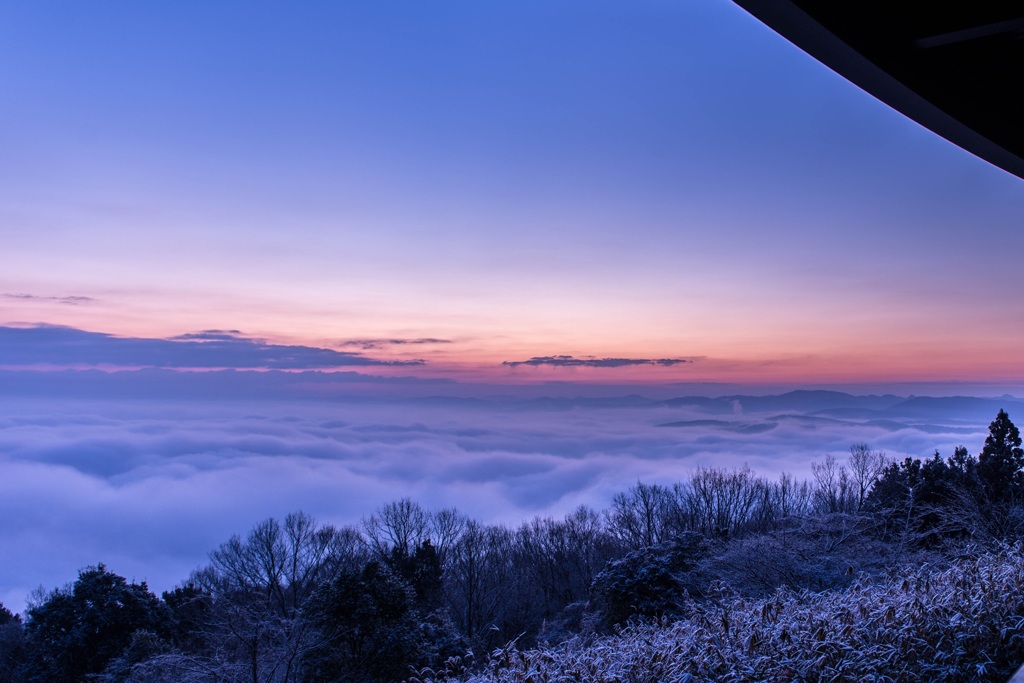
[(1001, 462)]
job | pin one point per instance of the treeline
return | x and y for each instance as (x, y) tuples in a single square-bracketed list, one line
[(422, 590)]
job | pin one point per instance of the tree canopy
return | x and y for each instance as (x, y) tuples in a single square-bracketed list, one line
[(1001, 462), (78, 631)]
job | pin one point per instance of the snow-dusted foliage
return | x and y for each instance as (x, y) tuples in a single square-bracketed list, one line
[(965, 623)]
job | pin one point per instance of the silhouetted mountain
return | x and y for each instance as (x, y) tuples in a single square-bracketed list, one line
[(807, 401), (959, 408)]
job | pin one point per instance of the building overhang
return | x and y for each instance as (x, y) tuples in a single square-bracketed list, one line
[(955, 68)]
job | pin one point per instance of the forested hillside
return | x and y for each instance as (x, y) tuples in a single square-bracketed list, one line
[(871, 570)]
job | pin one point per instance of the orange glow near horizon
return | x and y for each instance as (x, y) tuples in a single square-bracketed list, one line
[(796, 352)]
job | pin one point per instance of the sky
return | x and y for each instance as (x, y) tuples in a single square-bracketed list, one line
[(642, 180), (262, 256)]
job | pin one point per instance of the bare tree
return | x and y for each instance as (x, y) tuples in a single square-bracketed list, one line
[(478, 582), (721, 502), (835, 489), (446, 527), (397, 527), (790, 498), (641, 516), (560, 559), (256, 630), (866, 466), (590, 547)]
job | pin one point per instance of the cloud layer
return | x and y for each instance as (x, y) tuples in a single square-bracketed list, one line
[(151, 486), (67, 346)]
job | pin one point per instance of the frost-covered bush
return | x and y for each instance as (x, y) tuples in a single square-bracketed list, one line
[(816, 553), (650, 582), (965, 623)]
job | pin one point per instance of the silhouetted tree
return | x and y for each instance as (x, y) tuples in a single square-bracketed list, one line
[(642, 516), (963, 469), (251, 601), (477, 583), (422, 570), (397, 528), (12, 644), (191, 608), (76, 632), (1001, 461), (866, 466), (555, 564), (368, 628), (836, 491)]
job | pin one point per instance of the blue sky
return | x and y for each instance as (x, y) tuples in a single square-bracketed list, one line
[(530, 179)]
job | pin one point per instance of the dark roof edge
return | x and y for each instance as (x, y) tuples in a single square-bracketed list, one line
[(798, 27)]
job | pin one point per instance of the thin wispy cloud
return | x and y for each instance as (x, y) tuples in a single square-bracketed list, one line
[(67, 346), (68, 300), (210, 335), (370, 344), (592, 362)]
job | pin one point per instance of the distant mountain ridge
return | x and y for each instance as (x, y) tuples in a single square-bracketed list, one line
[(882, 410)]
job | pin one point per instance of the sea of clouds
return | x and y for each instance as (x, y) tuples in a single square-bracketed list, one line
[(149, 487)]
